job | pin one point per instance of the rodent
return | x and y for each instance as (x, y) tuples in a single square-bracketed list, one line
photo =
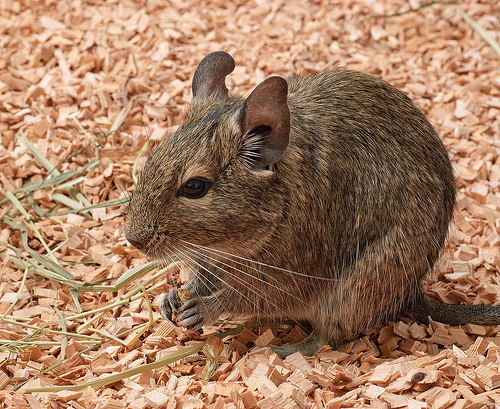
[(324, 199)]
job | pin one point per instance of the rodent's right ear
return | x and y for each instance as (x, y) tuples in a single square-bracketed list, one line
[(210, 76)]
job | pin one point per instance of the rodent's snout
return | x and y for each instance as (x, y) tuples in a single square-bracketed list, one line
[(135, 243), (136, 238)]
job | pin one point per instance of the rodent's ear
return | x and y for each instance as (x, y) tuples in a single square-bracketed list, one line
[(210, 75), (265, 121)]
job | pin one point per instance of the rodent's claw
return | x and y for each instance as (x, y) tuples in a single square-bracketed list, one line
[(192, 314), (170, 302)]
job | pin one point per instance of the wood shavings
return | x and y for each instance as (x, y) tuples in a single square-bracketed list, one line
[(87, 83)]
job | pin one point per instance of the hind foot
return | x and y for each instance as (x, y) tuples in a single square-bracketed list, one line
[(307, 347)]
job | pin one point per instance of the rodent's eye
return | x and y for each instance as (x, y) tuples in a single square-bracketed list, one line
[(195, 188)]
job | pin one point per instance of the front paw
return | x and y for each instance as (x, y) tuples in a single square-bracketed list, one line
[(170, 302), (194, 314)]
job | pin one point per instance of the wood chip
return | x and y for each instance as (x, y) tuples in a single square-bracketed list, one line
[(96, 84)]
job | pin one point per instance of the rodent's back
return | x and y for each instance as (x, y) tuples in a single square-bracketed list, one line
[(361, 144)]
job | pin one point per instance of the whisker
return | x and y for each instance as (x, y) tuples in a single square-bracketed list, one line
[(168, 259), (231, 256), (262, 294), (277, 287), (122, 187), (196, 274), (199, 277), (297, 281), (269, 277), (215, 275)]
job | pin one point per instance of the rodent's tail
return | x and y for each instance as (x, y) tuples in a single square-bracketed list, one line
[(455, 314)]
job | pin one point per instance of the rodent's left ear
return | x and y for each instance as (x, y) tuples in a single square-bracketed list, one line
[(210, 76), (265, 121)]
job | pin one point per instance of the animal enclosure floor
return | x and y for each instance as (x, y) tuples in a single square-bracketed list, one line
[(83, 86)]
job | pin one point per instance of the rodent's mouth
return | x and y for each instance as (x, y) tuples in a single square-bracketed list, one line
[(161, 252), (192, 252)]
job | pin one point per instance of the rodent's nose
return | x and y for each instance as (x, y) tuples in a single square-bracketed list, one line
[(135, 243), (134, 239), (140, 234)]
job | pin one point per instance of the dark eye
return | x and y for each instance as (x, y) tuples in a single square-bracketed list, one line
[(195, 188)]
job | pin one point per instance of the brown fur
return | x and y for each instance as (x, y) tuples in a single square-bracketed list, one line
[(339, 232)]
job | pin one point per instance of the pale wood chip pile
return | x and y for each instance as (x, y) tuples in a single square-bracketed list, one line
[(95, 79)]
